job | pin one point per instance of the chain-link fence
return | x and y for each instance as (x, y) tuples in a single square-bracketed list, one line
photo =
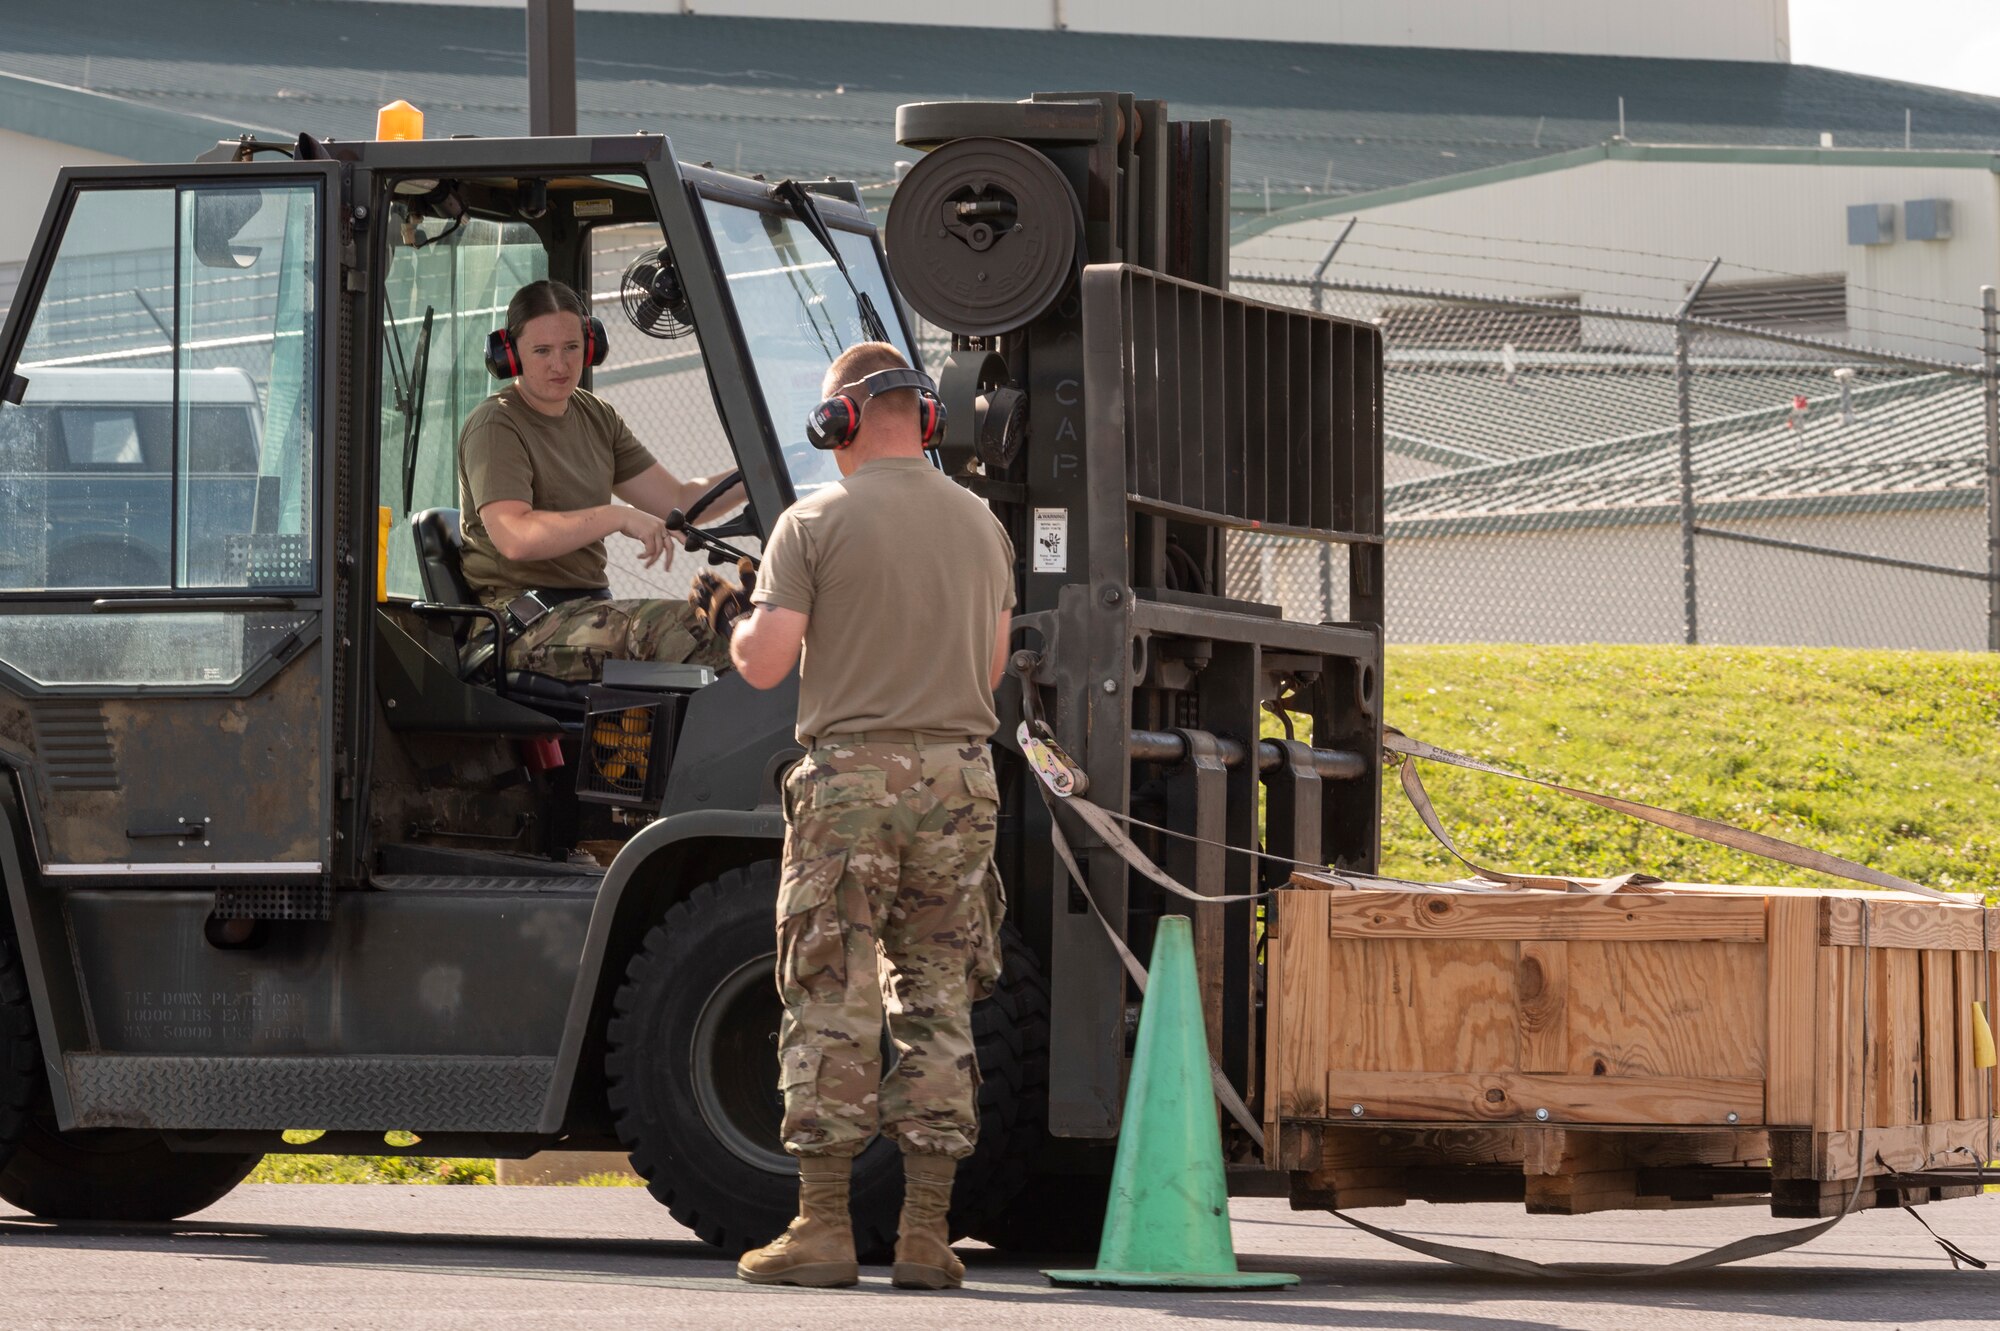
[(1561, 472), (1557, 472)]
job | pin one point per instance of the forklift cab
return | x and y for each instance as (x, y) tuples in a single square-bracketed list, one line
[(346, 291)]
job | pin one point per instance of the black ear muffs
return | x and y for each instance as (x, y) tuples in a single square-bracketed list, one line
[(503, 358), (834, 422)]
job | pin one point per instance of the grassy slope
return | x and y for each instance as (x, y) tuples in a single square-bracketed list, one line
[(1888, 758)]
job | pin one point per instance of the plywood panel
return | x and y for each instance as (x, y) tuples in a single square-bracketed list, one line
[(1965, 971), (1542, 989), (1938, 1057), (1791, 992), (1895, 1065), (1838, 1055), (1516, 1097), (1667, 1010), (1309, 1007), (1989, 1078), (1274, 1025), (1632, 917), (1911, 924), (1353, 1145), (1411, 1005), (1943, 1145)]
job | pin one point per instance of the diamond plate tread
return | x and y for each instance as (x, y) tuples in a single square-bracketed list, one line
[(436, 1094), (443, 882)]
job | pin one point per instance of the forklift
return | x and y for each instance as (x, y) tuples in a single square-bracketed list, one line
[(292, 861)]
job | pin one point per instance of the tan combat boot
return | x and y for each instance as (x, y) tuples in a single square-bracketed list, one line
[(817, 1249), (924, 1259)]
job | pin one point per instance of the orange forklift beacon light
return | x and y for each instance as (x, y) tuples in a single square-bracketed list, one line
[(399, 120)]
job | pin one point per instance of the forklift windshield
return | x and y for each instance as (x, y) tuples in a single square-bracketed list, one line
[(797, 315)]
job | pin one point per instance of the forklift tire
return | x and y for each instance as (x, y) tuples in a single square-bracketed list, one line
[(20, 1053), (1054, 1214), (114, 1174), (692, 1078)]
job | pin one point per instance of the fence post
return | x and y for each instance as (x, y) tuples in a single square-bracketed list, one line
[(1990, 349), (1684, 390), (1318, 285)]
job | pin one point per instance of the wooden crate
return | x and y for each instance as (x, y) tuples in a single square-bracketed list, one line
[(1584, 1051)]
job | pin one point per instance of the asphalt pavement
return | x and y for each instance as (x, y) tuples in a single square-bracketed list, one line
[(376, 1258)]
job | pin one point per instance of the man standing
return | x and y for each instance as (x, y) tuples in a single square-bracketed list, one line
[(898, 585), (538, 463)]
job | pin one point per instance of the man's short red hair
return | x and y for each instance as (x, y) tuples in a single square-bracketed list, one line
[(863, 359)]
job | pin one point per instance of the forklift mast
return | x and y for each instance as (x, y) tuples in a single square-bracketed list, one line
[(1135, 425)]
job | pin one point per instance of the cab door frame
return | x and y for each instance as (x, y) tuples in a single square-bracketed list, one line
[(36, 887)]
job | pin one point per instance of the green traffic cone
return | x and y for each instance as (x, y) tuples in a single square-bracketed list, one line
[(1167, 1226)]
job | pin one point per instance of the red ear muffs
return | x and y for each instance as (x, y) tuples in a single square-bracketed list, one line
[(834, 422), (502, 362), (503, 358)]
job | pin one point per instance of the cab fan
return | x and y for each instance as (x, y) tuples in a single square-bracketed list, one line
[(653, 297)]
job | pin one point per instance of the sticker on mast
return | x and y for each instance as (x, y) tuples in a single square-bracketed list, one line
[(1051, 540)]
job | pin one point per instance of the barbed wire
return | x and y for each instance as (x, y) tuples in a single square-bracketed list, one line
[(1544, 304), (1319, 247), (1969, 330), (1538, 263)]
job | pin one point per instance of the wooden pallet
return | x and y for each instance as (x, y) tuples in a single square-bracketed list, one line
[(1678, 1044)]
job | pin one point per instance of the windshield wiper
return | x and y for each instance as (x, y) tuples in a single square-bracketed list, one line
[(413, 419), (407, 381), (799, 199)]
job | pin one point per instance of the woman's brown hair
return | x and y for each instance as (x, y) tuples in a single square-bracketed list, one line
[(544, 297)]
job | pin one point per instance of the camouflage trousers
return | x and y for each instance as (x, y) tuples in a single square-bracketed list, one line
[(889, 905), (574, 639)]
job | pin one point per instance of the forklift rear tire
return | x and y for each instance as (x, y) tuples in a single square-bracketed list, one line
[(692, 1074), (114, 1174), (20, 1054)]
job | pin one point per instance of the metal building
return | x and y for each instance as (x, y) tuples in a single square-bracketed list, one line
[(1326, 99)]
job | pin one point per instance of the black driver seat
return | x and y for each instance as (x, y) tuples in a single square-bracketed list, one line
[(439, 544)]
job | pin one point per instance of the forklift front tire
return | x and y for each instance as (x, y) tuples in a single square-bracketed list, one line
[(114, 1174), (692, 1070)]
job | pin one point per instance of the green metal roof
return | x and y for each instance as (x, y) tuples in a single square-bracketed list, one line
[(797, 97), (1910, 440), (1466, 411)]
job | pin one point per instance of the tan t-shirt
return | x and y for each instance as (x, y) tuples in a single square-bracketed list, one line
[(508, 450), (904, 574)]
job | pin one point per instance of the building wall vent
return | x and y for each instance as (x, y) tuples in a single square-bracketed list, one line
[(1818, 302), (1871, 223), (1927, 219)]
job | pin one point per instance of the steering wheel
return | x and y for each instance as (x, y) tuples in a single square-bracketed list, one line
[(713, 493), (713, 540)]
